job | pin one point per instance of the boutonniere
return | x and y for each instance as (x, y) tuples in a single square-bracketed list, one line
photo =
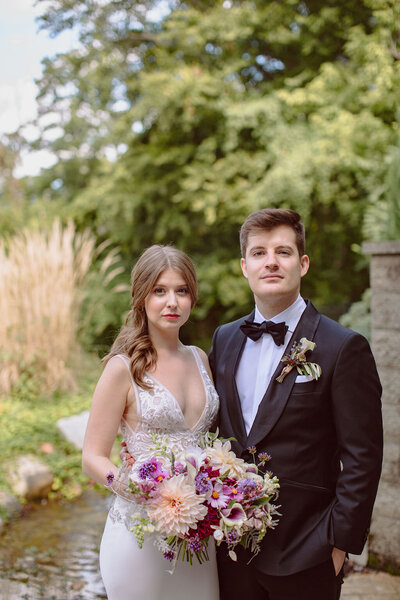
[(297, 358)]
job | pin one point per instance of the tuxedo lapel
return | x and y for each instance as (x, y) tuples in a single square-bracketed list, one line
[(277, 394), (237, 343)]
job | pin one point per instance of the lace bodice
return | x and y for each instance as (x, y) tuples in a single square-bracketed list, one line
[(159, 412)]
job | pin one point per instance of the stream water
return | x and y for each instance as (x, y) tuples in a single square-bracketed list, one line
[(52, 553)]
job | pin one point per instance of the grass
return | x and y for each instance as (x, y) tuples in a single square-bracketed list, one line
[(379, 564)]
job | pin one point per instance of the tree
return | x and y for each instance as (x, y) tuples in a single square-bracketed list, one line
[(214, 111)]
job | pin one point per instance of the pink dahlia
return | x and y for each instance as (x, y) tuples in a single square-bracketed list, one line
[(177, 507)]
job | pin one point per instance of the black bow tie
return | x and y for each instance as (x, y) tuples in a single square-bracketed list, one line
[(255, 330)]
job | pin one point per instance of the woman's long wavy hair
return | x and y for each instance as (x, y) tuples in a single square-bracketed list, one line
[(134, 340)]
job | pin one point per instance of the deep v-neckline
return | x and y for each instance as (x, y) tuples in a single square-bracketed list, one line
[(175, 399)]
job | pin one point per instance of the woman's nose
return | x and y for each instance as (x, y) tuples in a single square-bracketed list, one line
[(171, 300)]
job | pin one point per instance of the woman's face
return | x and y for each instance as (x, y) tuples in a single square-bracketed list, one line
[(169, 303)]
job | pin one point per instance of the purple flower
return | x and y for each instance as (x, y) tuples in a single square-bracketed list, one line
[(195, 545), (152, 469), (169, 555), (233, 492), (252, 449), (109, 477), (247, 486), (218, 498), (263, 457), (203, 483), (232, 536)]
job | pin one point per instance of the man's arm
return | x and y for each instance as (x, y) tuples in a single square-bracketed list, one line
[(356, 407)]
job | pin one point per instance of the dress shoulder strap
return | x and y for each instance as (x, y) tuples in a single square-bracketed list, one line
[(125, 360), (199, 362)]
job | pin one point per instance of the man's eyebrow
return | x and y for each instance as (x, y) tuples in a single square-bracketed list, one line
[(278, 247), (284, 246), (257, 248)]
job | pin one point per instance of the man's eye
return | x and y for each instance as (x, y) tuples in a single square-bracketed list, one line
[(258, 253)]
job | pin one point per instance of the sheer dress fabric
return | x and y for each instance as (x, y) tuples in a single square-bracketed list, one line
[(130, 573)]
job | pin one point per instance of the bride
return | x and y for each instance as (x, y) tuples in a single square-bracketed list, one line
[(151, 383)]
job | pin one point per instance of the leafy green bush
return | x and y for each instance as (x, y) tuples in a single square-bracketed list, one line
[(29, 420), (358, 317)]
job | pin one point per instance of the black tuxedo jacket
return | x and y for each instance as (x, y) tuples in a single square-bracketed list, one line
[(325, 439)]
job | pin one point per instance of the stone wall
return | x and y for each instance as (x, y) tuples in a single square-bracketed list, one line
[(384, 541)]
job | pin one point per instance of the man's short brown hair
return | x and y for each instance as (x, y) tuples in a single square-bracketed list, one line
[(268, 218)]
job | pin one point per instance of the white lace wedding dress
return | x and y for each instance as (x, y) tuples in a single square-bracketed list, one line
[(130, 573)]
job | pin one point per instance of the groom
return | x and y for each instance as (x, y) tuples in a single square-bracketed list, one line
[(324, 436)]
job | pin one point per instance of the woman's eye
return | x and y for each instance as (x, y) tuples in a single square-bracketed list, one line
[(183, 291), (158, 291)]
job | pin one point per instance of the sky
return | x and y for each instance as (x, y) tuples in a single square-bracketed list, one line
[(22, 47)]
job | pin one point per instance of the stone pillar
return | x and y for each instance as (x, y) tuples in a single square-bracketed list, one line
[(384, 541)]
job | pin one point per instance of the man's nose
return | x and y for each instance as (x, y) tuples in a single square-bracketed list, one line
[(270, 260)]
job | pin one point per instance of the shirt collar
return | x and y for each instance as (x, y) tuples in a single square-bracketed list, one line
[(291, 315)]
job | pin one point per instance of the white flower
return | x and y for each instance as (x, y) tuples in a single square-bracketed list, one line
[(306, 345), (222, 458), (218, 535)]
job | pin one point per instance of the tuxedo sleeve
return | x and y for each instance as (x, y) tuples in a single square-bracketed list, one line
[(356, 404)]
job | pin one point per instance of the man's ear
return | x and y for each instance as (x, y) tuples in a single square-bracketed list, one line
[(243, 266), (305, 264)]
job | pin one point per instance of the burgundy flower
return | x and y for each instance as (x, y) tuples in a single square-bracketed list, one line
[(204, 527)]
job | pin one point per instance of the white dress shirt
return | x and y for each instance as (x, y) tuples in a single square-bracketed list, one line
[(260, 359)]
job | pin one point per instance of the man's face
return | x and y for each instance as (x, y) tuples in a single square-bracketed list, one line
[(273, 266)]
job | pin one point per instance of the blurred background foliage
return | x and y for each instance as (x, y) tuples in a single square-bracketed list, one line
[(172, 121)]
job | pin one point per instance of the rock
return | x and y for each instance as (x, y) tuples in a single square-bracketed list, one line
[(361, 560), (10, 504), (30, 478), (74, 428)]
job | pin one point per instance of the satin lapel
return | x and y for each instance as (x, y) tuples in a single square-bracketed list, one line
[(277, 394), (237, 343)]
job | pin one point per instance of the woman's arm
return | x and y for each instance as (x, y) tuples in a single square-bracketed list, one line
[(108, 406)]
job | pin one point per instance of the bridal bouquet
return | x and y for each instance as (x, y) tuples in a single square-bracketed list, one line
[(204, 491)]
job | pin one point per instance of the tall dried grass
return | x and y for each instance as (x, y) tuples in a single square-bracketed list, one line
[(41, 275)]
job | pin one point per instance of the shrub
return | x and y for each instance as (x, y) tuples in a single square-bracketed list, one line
[(42, 276)]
